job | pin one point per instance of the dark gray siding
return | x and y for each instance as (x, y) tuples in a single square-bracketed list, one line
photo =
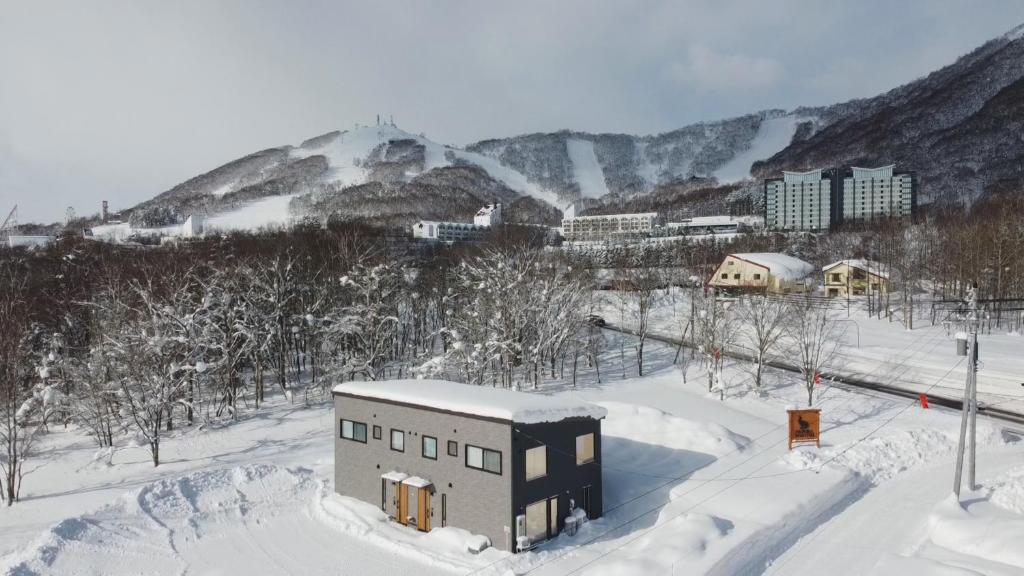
[(476, 500), (564, 478)]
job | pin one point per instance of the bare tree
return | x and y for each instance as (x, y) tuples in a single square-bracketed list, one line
[(765, 320), (20, 421), (716, 330), (816, 338)]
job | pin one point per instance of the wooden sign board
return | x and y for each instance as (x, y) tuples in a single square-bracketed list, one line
[(804, 427)]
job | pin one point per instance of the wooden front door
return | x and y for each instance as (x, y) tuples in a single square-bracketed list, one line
[(423, 513), (403, 503)]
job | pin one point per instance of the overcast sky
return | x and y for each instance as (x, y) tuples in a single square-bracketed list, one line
[(123, 100)]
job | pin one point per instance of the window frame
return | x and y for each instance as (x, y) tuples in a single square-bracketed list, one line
[(392, 440), (423, 447), (526, 462), (593, 449), (455, 452), (377, 432), (355, 424), (483, 459)]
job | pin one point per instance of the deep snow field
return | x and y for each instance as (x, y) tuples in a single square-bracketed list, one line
[(693, 485)]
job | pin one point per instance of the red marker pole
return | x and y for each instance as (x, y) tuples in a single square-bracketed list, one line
[(924, 400)]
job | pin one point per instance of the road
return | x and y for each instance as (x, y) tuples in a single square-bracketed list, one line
[(847, 380)]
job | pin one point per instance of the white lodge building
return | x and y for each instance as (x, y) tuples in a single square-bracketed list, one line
[(873, 193), (608, 226), (800, 200), (761, 271)]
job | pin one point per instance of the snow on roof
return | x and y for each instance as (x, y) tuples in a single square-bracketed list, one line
[(394, 476), (500, 403), (486, 210), (869, 266), (417, 482), (781, 266)]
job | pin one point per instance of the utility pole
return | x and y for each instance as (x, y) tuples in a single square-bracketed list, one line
[(969, 415)]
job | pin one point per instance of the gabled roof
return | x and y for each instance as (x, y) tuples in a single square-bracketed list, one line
[(779, 265), (473, 400), (869, 266)]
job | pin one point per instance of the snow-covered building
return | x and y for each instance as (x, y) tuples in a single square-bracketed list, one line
[(855, 278), (801, 201), (763, 271), (489, 215), (608, 226), (193, 227), (448, 231), (511, 466), (700, 225), (30, 242), (878, 193), (485, 218)]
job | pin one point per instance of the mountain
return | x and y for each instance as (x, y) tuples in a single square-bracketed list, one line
[(959, 128)]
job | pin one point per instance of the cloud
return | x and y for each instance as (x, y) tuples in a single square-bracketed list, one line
[(713, 71)]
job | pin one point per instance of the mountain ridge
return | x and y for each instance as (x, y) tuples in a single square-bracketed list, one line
[(958, 127)]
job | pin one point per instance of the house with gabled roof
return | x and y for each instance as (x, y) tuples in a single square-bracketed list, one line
[(761, 271), (855, 277)]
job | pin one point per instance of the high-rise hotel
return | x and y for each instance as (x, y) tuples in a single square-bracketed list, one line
[(820, 199), (877, 193), (800, 200)]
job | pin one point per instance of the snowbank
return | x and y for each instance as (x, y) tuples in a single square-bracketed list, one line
[(521, 407), (880, 458), (650, 425), (978, 531)]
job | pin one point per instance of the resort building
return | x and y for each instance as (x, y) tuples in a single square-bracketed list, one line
[(608, 226), (511, 466), (877, 193), (761, 271), (801, 201)]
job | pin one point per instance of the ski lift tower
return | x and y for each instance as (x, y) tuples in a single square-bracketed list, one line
[(9, 223)]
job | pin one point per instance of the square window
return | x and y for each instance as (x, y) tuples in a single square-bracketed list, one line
[(736, 276), (430, 447), (397, 440), (725, 276), (453, 448), (376, 432)]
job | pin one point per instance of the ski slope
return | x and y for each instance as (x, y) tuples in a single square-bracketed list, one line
[(586, 169), (347, 152), (773, 135), (270, 212)]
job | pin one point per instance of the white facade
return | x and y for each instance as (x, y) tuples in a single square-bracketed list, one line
[(489, 215), (608, 226), (448, 231), (15, 241), (874, 193), (799, 201)]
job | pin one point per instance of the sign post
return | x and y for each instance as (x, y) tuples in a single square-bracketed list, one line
[(805, 427)]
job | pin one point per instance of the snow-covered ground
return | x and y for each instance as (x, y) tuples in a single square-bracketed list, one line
[(922, 359), (693, 485)]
